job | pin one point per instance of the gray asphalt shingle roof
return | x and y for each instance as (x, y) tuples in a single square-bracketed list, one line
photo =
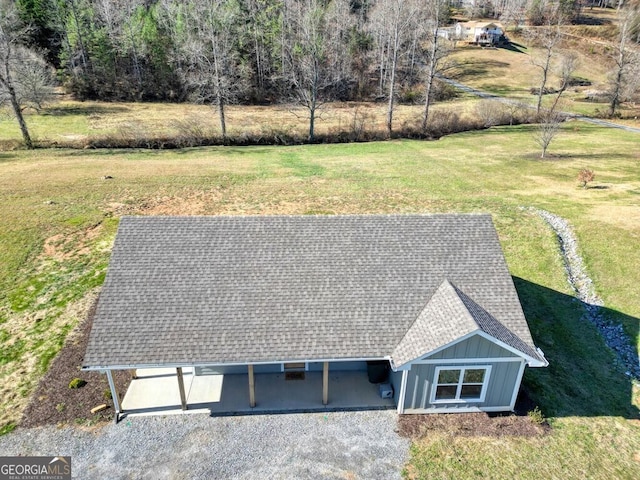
[(214, 290)]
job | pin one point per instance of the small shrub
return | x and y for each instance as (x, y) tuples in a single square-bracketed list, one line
[(491, 113), (585, 176), (442, 91), (192, 131), (61, 407), (130, 132), (443, 122), (536, 416), (107, 394), (578, 82), (77, 383), (545, 90)]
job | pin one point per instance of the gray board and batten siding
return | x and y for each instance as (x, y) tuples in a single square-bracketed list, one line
[(503, 384)]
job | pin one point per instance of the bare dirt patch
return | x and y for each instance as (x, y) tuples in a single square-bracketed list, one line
[(188, 203), (65, 246), (54, 403), (471, 425)]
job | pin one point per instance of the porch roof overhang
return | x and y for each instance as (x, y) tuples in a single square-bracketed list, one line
[(230, 364)]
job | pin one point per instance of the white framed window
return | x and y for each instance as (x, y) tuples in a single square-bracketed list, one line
[(460, 384)]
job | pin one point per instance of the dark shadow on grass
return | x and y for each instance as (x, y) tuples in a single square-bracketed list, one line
[(87, 152), (478, 68), (62, 110), (551, 157), (222, 150), (513, 47), (583, 378), (591, 20), (7, 157)]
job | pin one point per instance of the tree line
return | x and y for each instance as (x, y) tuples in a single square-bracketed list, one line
[(219, 52)]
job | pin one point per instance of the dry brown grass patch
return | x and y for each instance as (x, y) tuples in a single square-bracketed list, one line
[(623, 216)]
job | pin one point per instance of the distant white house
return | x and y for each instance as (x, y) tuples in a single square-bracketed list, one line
[(483, 33)]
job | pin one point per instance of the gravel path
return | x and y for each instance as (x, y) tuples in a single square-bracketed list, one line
[(613, 333), (339, 445)]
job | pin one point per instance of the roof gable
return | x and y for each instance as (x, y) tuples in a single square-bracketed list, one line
[(450, 316), (443, 320)]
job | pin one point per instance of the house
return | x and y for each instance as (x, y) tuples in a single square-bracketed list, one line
[(427, 297), (482, 33)]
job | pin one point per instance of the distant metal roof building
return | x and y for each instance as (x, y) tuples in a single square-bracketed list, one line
[(260, 289)]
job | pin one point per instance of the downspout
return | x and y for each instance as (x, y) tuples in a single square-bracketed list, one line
[(403, 391)]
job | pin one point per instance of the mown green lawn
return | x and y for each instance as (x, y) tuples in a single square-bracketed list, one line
[(58, 216)]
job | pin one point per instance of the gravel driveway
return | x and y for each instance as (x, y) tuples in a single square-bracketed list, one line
[(341, 445)]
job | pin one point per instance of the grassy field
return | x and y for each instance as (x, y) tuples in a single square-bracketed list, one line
[(75, 124), (58, 216)]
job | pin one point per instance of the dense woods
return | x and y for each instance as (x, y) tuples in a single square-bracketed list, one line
[(305, 52), (250, 51)]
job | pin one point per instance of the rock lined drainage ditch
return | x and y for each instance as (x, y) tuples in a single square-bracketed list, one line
[(613, 333)]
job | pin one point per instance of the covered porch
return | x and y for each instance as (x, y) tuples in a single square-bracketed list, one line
[(158, 391)]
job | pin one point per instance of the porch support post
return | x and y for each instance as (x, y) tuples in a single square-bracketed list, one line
[(252, 387), (325, 383), (114, 396), (183, 397)]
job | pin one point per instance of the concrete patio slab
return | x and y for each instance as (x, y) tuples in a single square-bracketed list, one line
[(155, 392)]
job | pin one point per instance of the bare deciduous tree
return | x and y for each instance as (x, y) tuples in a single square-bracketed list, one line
[(204, 30), (315, 53), (306, 53), (566, 69), (547, 38), (437, 50), (547, 130), (626, 58), (24, 76), (511, 12), (395, 23), (123, 25)]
